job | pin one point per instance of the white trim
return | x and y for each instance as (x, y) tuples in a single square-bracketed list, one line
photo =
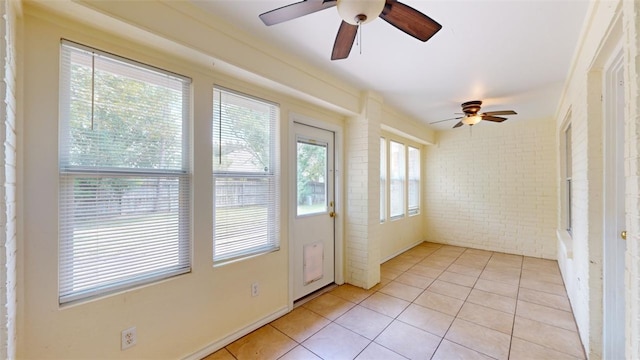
[(337, 194), (613, 329), (219, 344), (401, 251)]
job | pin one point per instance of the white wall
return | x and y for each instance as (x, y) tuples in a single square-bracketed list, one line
[(8, 239), (493, 187)]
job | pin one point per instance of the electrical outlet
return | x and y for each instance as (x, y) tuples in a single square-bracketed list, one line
[(129, 338), (255, 290)]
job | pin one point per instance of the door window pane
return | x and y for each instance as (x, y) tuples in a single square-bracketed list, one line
[(414, 180), (311, 179)]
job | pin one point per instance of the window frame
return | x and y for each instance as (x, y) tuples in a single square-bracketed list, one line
[(383, 179), (69, 173), (272, 243)]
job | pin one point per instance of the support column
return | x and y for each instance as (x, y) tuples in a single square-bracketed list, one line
[(363, 194)]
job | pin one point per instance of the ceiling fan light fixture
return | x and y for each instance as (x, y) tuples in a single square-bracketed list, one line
[(471, 119), (354, 11)]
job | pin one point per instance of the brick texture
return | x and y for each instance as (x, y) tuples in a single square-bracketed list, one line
[(493, 187), (8, 241)]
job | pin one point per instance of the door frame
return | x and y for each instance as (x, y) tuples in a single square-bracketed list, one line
[(612, 136), (338, 187)]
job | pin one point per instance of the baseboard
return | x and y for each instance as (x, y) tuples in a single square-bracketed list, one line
[(401, 251), (219, 344)]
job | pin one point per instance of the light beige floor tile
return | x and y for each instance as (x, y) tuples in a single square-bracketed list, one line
[(477, 264), (547, 315), (506, 260), (426, 271), (222, 354), (300, 353), (415, 280), (351, 293), (329, 306), (408, 341), (524, 350), (385, 304), (541, 265), (426, 319), (398, 264), (365, 322), (336, 342), (543, 298), (558, 339), (509, 277), (464, 270), (543, 286), (389, 273), (264, 343), (491, 300), (449, 289), (485, 253), (300, 324), (452, 351), (481, 315), (499, 288), (402, 291), (451, 250), (437, 262), (479, 338), (383, 282), (458, 279), (442, 303), (543, 276), (378, 352)]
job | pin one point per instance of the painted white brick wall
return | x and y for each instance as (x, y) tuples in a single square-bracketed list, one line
[(8, 240), (493, 188), (363, 195)]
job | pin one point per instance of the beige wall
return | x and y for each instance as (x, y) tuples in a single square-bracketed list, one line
[(174, 317), (493, 187)]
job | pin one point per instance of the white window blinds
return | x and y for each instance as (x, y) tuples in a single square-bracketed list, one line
[(413, 185), (383, 180), (124, 196), (397, 174), (246, 176)]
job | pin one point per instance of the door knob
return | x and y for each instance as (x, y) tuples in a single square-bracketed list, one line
[(332, 214), (623, 234)]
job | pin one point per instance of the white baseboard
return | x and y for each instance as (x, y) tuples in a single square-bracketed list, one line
[(401, 251), (219, 344)]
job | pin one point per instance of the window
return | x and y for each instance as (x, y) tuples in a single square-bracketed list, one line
[(246, 176), (397, 175), (383, 180), (568, 171), (125, 178), (413, 185)]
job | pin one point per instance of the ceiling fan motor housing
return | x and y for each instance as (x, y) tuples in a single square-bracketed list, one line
[(357, 12), (471, 107)]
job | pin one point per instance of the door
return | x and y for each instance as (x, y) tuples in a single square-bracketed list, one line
[(615, 225), (314, 225)]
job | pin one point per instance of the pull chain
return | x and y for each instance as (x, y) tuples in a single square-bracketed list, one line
[(360, 36)]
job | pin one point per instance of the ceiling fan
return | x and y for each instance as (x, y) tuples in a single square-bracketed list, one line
[(355, 13), (472, 117)]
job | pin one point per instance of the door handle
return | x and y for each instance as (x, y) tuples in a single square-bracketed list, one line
[(623, 234), (332, 214)]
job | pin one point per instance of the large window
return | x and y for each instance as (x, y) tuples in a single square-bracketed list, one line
[(397, 175), (246, 176), (383, 180), (124, 195), (567, 178), (413, 184)]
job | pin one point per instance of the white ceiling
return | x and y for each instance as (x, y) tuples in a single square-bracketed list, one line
[(512, 54)]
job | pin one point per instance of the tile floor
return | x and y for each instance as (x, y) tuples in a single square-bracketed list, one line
[(434, 302)]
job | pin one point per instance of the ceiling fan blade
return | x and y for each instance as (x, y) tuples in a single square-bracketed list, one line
[(501, 112), (295, 10), (493, 118), (344, 41), (458, 124), (409, 20), (439, 121)]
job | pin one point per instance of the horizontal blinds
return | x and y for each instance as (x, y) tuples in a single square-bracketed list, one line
[(397, 176), (413, 187), (246, 176), (383, 179), (124, 196)]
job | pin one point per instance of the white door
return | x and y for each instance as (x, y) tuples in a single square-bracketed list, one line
[(615, 225), (314, 225)]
